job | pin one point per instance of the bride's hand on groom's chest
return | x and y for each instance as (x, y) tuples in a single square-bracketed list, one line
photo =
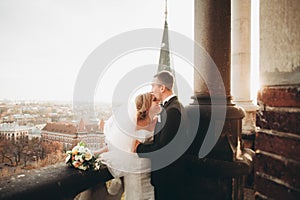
[(153, 123)]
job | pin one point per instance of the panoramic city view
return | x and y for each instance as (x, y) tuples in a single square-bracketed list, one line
[(139, 99), (41, 63), (25, 125), (42, 58), (59, 85)]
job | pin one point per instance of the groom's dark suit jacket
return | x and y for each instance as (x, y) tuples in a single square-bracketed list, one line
[(173, 123)]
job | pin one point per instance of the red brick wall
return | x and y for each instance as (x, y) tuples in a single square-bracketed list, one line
[(277, 143)]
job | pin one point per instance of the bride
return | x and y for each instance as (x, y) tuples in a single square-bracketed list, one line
[(122, 134)]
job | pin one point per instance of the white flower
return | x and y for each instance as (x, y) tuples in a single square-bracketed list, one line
[(81, 149), (82, 158), (97, 164), (86, 150), (75, 150), (68, 158), (68, 152), (82, 167), (79, 158)]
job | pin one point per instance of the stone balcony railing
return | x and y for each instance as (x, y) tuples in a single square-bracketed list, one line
[(55, 182), (61, 182)]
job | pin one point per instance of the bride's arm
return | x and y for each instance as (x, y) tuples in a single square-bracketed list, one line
[(102, 150), (135, 144)]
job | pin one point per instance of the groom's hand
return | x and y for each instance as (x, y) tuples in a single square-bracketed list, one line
[(137, 143)]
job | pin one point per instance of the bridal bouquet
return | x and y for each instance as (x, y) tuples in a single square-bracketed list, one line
[(81, 157)]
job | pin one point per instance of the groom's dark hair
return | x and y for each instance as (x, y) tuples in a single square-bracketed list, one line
[(166, 78)]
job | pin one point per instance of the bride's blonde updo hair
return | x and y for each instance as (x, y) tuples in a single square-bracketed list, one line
[(143, 103)]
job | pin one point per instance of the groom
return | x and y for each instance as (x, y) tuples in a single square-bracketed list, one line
[(168, 180)]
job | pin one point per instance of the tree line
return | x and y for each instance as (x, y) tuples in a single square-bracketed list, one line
[(24, 153)]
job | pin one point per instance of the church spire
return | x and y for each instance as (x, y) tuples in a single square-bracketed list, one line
[(164, 57), (166, 10)]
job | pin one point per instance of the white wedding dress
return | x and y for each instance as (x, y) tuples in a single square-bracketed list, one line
[(137, 186), (122, 162)]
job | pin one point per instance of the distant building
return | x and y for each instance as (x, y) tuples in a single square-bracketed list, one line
[(36, 131), (70, 134), (13, 130)]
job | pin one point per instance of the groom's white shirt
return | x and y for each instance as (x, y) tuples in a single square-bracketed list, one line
[(163, 103), (168, 98)]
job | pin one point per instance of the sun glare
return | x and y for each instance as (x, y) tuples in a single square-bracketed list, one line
[(255, 83)]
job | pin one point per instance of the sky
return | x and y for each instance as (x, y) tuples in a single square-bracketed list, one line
[(43, 44)]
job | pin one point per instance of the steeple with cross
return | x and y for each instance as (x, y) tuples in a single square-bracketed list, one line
[(165, 61)]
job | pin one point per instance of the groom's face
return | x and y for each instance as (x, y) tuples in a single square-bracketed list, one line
[(156, 89)]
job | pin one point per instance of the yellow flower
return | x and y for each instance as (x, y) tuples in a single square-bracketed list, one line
[(82, 158), (88, 156)]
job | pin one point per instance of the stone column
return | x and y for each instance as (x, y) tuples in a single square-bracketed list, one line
[(212, 33), (240, 63), (213, 95)]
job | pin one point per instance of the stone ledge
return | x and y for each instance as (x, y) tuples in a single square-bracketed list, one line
[(212, 168), (52, 182)]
